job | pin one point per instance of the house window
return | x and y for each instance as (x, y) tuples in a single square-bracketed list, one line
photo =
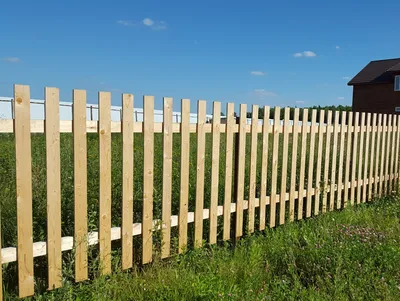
[(397, 83)]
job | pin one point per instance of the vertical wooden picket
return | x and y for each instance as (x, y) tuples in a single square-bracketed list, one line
[(167, 177), (201, 146), (321, 127), (127, 180), (148, 179), (184, 189), (392, 154), (216, 121), (253, 166), (366, 157), (293, 171), (105, 182), (334, 159), (228, 169), (386, 171), (311, 163), (22, 131), (304, 130), (341, 158), (354, 158), (360, 158), (377, 156), (326, 163), (302, 163), (348, 157), (383, 150), (372, 156), (52, 129), (80, 184), (264, 167), (274, 179), (396, 161), (282, 200), (241, 170)]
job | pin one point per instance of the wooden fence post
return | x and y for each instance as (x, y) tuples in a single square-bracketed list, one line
[(228, 169), (24, 189), (127, 180), (201, 146), (148, 179), (167, 176), (52, 113)]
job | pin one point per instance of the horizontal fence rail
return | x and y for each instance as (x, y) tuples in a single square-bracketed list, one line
[(216, 181)]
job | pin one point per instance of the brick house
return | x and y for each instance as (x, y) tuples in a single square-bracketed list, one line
[(376, 88)]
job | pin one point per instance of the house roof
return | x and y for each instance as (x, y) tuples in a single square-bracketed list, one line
[(376, 72)]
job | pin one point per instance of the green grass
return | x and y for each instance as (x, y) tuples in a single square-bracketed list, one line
[(8, 192), (349, 255)]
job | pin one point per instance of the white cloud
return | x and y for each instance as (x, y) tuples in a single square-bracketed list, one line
[(261, 93), (340, 98), (337, 47), (257, 73), (305, 54), (148, 22), (126, 23), (157, 25), (12, 59), (346, 77), (300, 102)]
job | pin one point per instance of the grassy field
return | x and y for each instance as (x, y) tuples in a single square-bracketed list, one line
[(348, 255), (8, 193)]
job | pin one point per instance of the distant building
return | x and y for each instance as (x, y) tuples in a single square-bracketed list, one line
[(376, 88)]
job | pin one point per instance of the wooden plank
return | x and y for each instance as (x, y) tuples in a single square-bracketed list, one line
[(264, 167), (334, 159), (54, 260), (275, 157), (148, 179), (293, 171), (184, 189), (372, 156), (253, 167), (80, 185), (127, 180), (366, 159), (387, 158), (311, 163), (326, 163), (286, 126), (302, 163), (24, 189), (341, 159), (392, 154), (360, 158), (228, 169), (354, 158), (377, 156), (241, 170), (105, 182), (348, 157), (319, 161), (396, 164), (201, 147), (383, 150), (167, 177), (216, 121)]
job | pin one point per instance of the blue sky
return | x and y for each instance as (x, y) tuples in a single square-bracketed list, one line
[(282, 53)]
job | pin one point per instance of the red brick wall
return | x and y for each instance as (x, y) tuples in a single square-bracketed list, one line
[(380, 98)]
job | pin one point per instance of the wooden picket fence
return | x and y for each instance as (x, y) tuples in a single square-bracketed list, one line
[(373, 142)]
